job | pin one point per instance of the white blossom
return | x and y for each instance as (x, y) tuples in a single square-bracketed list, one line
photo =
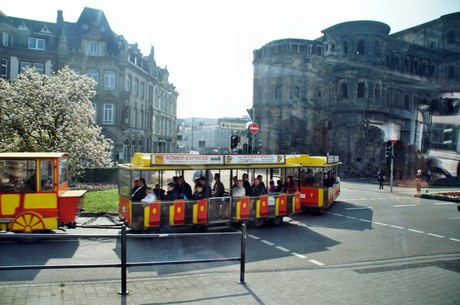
[(41, 113)]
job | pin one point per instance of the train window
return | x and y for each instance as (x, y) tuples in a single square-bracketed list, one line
[(311, 176), (18, 175), (63, 170), (46, 175)]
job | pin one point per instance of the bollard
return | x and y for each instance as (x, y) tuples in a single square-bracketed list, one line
[(243, 253), (123, 291)]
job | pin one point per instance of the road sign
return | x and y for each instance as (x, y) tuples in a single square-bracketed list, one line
[(234, 126), (253, 128), (393, 138)]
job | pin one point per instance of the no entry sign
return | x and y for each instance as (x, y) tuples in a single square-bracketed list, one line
[(253, 128)]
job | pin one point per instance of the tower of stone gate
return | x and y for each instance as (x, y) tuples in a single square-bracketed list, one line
[(314, 95)]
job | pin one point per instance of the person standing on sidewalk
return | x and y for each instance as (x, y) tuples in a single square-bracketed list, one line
[(381, 178), (418, 180)]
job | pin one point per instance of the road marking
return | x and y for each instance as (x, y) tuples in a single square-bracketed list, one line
[(454, 239), (337, 214), (444, 203), (365, 220), (282, 249), (298, 255), (360, 208), (416, 231), (267, 242), (351, 217), (404, 205), (316, 262), (435, 235), (397, 227), (253, 237), (382, 224)]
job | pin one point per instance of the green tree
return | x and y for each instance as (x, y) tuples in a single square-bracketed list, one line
[(41, 113)]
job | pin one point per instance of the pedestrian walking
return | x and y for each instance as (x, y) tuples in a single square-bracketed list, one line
[(381, 178), (418, 180)]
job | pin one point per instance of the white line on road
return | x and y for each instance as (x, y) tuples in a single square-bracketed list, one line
[(361, 208), (397, 227), (337, 214), (282, 249), (267, 242), (435, 235), (444, 203), (298, 255), (404, 205), (351, 217), (380, 223), (316, 262), (253, 237), (416, 231), (454, 239), (365, 220)]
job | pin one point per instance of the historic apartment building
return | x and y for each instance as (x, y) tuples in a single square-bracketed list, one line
[(313, 96), (135, 103)]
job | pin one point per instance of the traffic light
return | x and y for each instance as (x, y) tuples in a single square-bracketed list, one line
[(388, 152), (234, 141)]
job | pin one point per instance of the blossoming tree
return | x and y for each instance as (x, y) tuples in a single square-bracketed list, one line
[(52, 114)]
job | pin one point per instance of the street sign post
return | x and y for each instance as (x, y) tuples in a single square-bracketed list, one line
[(394, 138)]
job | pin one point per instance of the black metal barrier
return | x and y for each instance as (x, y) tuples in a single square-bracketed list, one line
[(124, 264)]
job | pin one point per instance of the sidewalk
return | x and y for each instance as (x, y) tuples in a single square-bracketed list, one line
[(424, 282)]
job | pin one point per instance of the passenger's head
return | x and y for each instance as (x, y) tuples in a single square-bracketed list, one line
[(141, 182), (171, 186), (198, 188), (149, 190)]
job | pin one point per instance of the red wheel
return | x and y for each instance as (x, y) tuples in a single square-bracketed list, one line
[(27, 222)]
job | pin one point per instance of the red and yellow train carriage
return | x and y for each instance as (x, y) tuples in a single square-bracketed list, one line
[(34, 194), (271, 208)]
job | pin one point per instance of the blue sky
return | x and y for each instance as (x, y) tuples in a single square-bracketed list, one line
[(207, 45)]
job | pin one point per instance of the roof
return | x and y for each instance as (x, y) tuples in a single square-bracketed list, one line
[(31, 155)]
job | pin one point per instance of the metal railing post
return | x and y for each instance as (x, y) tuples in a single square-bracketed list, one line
[(243, 253), (123, 291)]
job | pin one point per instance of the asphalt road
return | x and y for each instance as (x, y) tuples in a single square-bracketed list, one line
[(365, 227)]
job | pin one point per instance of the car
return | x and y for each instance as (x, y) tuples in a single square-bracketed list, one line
[(441, 177)]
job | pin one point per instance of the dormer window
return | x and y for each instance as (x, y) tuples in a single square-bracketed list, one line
[(45, 29), (36, 43), (23, 26)]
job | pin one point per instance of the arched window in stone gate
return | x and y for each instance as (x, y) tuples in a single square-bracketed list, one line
[(360, 48), (295, 94), (361, 90), (451, 72), (343, 93), (377, 91), (406, 102), (345, 47)]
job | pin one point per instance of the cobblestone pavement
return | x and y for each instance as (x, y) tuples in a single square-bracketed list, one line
[(429, 282)]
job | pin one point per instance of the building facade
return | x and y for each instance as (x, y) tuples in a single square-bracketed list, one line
[(135, 103), (336, 94)]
